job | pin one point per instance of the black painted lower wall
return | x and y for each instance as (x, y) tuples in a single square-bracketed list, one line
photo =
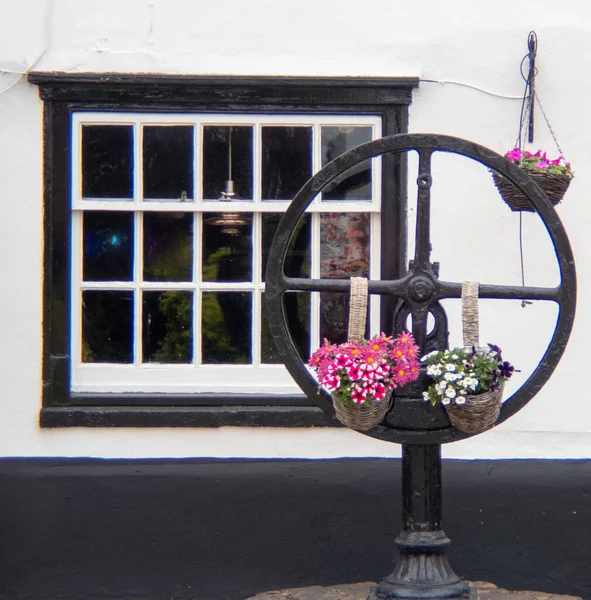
[(215, 529)]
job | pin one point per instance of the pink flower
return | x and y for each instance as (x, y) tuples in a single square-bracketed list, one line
[(402, 374), (514, 155), (383, 368), (406, 338), (379, 391), (331, 382), (342, 360), (556, 161), (541, 165), (332, 368), (325, 351), (367, 372), (352, 349), (353, 372), (358, 395), (378, 344)]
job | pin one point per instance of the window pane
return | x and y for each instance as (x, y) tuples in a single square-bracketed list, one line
[(297, 310), (108, 246), (344, 251), (286, 161), (168, 246), (297, 263), (107, 161), (354, 184), (227, 247), (227, 154), (107, 326), (226, 327), (167, 333), (168, 162)]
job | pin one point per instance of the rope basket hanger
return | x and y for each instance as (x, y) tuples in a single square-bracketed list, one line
[(481, 411), (361, 417)]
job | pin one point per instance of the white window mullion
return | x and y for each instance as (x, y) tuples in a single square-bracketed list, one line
[(316, 156), (197, 280), (138, 163), (138, 274), (315, 274), (256, 296), (257, 164), (197, 162), (76, 287)]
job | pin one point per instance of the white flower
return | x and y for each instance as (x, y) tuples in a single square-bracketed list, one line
[(434, 370), (449, 377), (450, 392), (441, 385), (450, 367), (460, 400), (455, 356), (445, 401), (426, 396), (432, 353)]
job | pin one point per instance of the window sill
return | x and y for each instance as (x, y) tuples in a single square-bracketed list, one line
[(185, 416)]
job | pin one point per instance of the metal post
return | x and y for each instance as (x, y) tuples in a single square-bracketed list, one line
[(422, 571)]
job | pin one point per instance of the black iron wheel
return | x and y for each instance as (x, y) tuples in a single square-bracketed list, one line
[(413, 421)]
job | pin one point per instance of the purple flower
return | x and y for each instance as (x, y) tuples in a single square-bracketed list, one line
[(506, 370), (541, 165)]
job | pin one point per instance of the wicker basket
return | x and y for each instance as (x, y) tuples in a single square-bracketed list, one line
[(554, 185), (360, 417), (480, 412)]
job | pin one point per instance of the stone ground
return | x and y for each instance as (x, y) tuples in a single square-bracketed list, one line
[(359, 591)]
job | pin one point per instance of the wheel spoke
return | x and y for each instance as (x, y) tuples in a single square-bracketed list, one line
[(423, 223), (504, 292), (396, 287)]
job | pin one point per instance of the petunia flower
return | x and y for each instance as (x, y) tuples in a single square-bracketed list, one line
[(358, 395), (506, 370)]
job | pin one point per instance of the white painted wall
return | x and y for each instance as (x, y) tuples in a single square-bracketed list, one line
[(474, 43)]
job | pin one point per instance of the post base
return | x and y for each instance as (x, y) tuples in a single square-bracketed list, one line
[(422, 571)]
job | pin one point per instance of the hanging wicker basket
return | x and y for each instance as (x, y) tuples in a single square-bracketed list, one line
[(360, 417), (554, 185), (481, 411)]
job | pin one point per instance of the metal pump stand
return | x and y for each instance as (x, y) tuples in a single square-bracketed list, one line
[(422, 571)]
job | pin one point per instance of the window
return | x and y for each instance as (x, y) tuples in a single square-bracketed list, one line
[(154, 283)]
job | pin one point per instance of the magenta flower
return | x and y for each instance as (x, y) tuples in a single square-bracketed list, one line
[(353, 372), (514, 155), (342, 360), (358, 395), (541, 165), (364, 371), (331, 382), (379, 391)]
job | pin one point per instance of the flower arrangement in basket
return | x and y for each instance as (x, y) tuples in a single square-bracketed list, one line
[(361, 374), (468, 381), (552, 176)]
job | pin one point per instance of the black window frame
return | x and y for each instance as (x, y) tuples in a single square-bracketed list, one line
[(63, 94)]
